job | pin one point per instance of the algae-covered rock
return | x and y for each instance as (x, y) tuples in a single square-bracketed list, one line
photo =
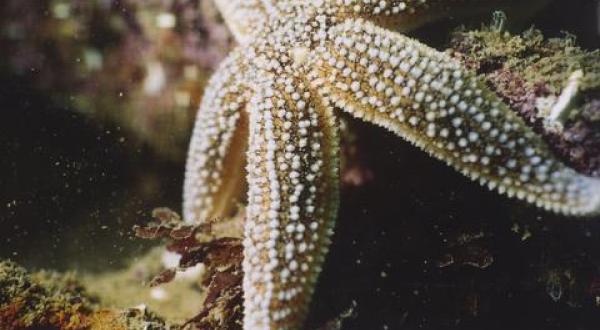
[(49, 300), (45, 300)]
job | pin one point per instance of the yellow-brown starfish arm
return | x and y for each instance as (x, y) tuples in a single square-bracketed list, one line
[(243, 17), (429, 99), (214, 175), (406, 15), (292, 201)]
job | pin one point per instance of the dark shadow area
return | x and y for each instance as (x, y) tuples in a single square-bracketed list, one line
[(421, 247)]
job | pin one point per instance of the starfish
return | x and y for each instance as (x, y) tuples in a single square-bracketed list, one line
[(268, 122)]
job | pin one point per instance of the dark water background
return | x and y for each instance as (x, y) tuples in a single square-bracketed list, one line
[(71, 188)]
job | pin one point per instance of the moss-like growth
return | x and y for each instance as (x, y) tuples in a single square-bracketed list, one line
[(45, 300), (49, 300), (539, 60)]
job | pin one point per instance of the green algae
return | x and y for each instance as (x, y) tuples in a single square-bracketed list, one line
[(539, 60)]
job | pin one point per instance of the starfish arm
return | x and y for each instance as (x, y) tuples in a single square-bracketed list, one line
[(243, 17), (406, 15), (292, 202), (214, 170), (429, 99)]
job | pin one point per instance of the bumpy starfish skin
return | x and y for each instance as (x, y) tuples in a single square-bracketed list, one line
[(215, 159), (275, 95)]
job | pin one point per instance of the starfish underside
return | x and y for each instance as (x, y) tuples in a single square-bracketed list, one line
[(276, 97)]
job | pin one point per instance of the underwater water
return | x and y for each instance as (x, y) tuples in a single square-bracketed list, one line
[(96, 109)]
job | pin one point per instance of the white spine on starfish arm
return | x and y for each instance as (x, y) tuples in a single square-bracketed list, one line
[(244, 17), (215, 157), (292, 202), (429, 99)]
